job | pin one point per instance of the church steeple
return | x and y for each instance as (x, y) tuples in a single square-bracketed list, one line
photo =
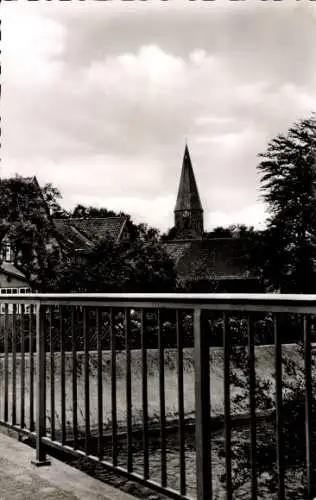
[(188, 210)]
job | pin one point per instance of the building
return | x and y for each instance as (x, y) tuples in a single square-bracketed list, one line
[(205, 264), (12, 278), (72, 237), (78, 235)]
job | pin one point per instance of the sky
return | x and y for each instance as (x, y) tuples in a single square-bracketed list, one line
[(99, 98)]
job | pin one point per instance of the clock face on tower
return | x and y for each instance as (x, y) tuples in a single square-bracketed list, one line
[(186, 213)]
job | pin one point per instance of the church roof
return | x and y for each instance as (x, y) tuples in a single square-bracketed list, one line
[(214, 259), (81, 233), (188, 195)]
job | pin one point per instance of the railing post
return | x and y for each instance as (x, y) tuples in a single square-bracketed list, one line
[(41, 387), (202, 409)]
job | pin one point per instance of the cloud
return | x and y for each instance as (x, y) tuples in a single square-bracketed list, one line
[(32, 45), (98, 98), (250, 215)]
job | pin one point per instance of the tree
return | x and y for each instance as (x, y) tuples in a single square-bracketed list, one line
[(288, 175), (219, 232), (25, 220), (171, 234), (137, 266), (86, 212), (285, 256), (51, 195)]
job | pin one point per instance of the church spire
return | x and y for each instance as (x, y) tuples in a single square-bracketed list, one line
[(188, 196), (188, 210)]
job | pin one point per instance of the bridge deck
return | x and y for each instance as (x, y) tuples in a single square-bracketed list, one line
[(20, 480)]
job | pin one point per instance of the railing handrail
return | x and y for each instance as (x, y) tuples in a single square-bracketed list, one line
[(274, 302), (218, 297)]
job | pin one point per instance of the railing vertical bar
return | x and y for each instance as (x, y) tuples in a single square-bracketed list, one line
[(31, 351), (113, 388), (128, 392), (279, 409), (100, 383), (252, 404), (308, 406), (181, 405), (74, 378), (22, 418), (163, 456), (144, 395), (86, 381), (227, 414), (62, 375), (52, 374), (203, 410), (41, 386), (6, 362), (14, 364)]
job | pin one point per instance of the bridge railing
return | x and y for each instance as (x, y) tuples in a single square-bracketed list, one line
[(107, 377)]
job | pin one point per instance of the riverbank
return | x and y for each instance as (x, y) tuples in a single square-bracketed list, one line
[(264, 366)]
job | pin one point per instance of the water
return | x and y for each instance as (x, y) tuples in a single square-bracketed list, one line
[(173, 460), (240, 470)]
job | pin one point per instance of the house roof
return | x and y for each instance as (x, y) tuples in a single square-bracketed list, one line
[(82, 233), (218, 259), (31, 180), (70, 235), (9, 269), (188, 195)]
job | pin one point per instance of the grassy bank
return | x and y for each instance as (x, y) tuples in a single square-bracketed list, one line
[(264, 371)]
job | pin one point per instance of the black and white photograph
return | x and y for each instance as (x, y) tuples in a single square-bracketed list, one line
[(158, 250)]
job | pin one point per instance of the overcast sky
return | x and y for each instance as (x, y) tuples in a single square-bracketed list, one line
[(98, 98)]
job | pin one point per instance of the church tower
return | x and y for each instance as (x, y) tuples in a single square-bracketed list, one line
[(188, 212)]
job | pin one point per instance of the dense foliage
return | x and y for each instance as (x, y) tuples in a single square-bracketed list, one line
[(26, 215), (288, 175), (137, 266)]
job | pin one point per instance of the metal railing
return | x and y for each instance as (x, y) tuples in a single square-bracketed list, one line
[(73, 365)]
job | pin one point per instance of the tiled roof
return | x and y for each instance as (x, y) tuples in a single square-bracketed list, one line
[(99, 227), (30, 180), (9, 268), (70, 235), (218, 258), (81, 233)]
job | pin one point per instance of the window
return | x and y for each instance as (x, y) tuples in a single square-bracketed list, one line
[(7, 253), (15, 291)]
